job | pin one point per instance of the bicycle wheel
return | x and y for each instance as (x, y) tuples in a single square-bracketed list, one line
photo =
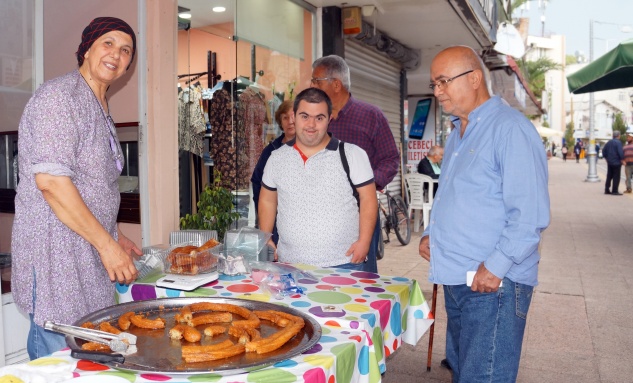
[(385, 225), (400, 218), (380, 253)]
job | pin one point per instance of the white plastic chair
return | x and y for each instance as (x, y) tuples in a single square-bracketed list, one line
[(419, 199), (428, 199)]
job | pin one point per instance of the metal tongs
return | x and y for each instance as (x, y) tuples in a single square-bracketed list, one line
[(117, 342)]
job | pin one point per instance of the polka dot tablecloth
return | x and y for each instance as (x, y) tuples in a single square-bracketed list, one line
[(365, 317)]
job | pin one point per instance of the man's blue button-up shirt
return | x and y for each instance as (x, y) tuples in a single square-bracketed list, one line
[(492, 202)]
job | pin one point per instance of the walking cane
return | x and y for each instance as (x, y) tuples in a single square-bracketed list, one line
[(430, 351)]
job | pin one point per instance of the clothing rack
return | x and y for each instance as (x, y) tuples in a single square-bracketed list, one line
[(194, 76)]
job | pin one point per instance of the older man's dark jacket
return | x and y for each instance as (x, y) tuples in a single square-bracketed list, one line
[(424, 167), (612, 152)]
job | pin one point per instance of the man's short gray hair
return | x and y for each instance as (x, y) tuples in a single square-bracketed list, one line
[(616, 134), (335, 67), (435, 149)]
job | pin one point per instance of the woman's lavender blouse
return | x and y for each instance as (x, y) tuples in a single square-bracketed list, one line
[(63, 132)]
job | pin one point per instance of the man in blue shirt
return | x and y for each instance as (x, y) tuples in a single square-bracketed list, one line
[(488, 214)]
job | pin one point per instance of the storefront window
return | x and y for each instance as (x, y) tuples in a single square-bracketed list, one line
[(237, 67)]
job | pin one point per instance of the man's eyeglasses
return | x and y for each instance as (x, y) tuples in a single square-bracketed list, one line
[(314, 80), (441, 84)]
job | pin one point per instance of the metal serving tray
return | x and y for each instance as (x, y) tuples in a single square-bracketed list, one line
[(158, 353)]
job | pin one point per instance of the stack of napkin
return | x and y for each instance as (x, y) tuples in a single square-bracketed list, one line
[(41, 370)]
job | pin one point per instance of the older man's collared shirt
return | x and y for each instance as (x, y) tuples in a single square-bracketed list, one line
[(436, 167), (366, 126), (492, 203)]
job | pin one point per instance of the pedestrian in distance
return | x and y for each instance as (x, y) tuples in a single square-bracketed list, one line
[(614, 155), (361, 124), (564, 153), (486, 221), (577, 150)]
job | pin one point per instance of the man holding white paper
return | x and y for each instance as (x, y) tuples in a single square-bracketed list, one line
[(487, 218)]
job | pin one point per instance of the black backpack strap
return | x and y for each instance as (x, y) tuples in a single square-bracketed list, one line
[(341, 150)]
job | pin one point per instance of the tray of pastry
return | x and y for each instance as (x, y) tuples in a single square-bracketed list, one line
[(280, 333)]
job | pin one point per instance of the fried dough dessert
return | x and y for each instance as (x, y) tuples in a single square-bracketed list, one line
[(192, 260)]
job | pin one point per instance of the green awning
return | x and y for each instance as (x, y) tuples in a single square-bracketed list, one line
[(613, 70)]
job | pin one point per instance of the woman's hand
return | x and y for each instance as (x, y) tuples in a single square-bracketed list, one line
[(118, 261), (129, 247)]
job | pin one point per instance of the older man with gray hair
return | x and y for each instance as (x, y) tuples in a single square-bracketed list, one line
[(361, 124), (430, 165), (614, 155)]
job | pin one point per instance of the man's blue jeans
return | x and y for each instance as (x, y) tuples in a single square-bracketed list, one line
[(350, 266), (372, 262), (484, 333)]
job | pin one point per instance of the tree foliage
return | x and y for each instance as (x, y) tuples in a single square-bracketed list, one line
[(619, 125), (569, 136), (215, 209), (516, 4), (534, 73), (571, 59)]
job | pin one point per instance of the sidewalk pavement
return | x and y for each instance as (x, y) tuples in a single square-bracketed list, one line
[(580, 324)]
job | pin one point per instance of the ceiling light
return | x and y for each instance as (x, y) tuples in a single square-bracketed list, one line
[(219, 9), (184, 13)]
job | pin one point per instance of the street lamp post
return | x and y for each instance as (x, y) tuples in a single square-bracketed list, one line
[(592, 175)]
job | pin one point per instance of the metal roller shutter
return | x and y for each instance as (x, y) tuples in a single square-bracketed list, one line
[(376, 79)]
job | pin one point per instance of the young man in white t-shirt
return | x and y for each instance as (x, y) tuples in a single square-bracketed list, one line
[(307, 189)]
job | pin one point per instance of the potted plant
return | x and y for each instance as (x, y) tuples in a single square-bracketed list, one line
[(215, 209)]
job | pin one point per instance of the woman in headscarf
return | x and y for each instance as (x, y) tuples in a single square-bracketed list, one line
[(66, 247)]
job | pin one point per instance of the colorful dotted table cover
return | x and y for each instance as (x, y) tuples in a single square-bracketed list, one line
[(342, 355), (389, 310)]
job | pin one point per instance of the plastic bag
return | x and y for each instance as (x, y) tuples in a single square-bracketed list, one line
[(280, 285), (231, 262), (248, 241), (259, 269), (152, 261), (278, 279)]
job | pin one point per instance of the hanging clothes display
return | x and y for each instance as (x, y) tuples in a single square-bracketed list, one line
[(251, 115), (191, 124), (225, 137)]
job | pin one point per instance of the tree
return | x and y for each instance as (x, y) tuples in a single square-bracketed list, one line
[(618, 124), (534, 73), (569, 136), (516, 4), (571, 59)]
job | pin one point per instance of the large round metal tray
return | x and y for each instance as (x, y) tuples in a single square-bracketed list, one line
[(158, 353)]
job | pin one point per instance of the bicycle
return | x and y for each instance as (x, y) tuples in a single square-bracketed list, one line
[(395, 216)]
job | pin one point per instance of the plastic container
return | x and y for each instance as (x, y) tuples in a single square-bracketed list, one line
[(187, 259)]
